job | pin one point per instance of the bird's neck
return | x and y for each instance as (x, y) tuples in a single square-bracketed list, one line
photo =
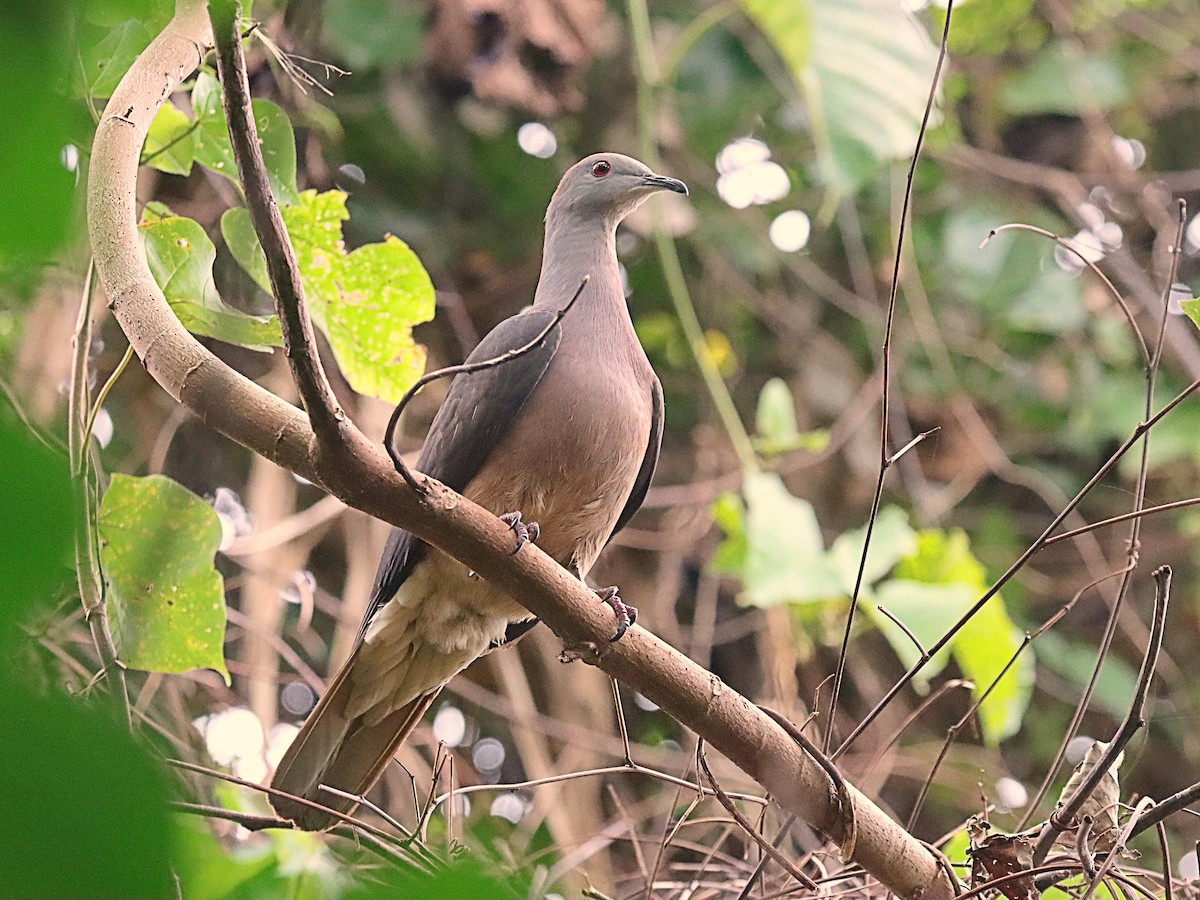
[(574, 250)]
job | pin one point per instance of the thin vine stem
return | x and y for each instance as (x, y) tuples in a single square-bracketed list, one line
[(99, 401), (650, 75)]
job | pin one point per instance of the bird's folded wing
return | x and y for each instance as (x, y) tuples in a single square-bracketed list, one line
[(474, 418), (649, 461)]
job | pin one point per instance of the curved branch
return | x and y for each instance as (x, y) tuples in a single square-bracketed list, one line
[(299, 344), (364, 478)]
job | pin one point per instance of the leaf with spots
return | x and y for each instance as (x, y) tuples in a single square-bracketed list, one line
[(181, 258), (170, 142), (366, 300), (276, 139), (166, 600)]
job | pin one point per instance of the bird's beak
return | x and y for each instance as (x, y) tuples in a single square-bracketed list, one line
[(663, 183)]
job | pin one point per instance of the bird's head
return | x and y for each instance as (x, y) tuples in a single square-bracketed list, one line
[(607, 187)]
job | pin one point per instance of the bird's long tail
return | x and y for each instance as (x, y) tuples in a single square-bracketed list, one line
[(340, 750)]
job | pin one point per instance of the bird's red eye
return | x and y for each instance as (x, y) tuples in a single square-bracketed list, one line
[(602, 168)]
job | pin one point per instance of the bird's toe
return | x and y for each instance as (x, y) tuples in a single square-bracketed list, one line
[(626, 614)]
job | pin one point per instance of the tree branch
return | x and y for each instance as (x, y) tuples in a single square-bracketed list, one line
[(87, 554), (1062, 818), (326, 415), (364, 478)]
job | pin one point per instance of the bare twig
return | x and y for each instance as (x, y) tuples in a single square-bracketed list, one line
[(1071, 247), (886, 459), (249, 821), (1019, 563), (299, 343), (98, 404), (747, 826), (1118, 846), (387, 844), (592, 773), (87, 556), (1125, 517), (1135, 719), (389, 435), (1164, 848), (621, 726), (1134, 545), (924, 654), (1164, 808)]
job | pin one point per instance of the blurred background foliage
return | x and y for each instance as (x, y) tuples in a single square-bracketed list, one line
[(440, 129)]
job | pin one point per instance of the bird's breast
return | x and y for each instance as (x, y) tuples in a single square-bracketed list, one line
[(570, 459)]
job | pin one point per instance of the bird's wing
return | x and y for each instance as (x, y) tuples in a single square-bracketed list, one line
[(476, 414), (649, 461)]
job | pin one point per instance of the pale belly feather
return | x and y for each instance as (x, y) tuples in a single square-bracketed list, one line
[(566, 464)]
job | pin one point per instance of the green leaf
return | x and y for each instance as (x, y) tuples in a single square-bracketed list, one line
[(1191, 309), (987, 643), (35, 530), (1055, 83), (927, 610), (275, 136), (788, 26), (167, 603), (785, 559), (891, 539), (366, 301), (982, 649), (864, 68), (58, 754), (181, 257), (171, 142), (466, 878), (775, 419), (103, 61), (206, 871), (729, 514), (38, 195)]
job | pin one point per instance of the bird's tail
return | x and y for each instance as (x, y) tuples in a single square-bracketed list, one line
[(341, 751)]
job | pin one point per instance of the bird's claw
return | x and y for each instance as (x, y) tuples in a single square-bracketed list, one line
[(527, 533), (626, 615)]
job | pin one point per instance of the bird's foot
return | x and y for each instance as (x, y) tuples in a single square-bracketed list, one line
[(626, 615), (526, 532)]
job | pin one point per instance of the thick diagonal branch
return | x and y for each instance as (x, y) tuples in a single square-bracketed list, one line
[(363, 476), (326, 415)]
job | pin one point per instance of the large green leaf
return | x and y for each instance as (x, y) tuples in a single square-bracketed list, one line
[(171, 141), (891, 539), (775, 543), (366, 301), (926, 610), (60, 754), (864, 68), (987, 643), (167, 603), (181, 258), (38, 195), (35, 529), (105, 55), (276, 138)]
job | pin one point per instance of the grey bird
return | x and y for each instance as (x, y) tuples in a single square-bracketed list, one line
[(566, 435)]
